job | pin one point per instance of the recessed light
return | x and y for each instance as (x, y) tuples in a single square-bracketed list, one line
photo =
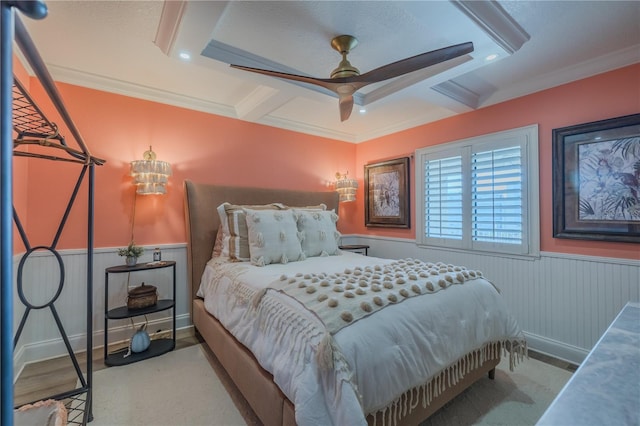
[(363, 110), (184, 56), (491, 57)]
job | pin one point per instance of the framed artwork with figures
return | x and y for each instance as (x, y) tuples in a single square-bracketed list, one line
[(596, 180), (387, 194)]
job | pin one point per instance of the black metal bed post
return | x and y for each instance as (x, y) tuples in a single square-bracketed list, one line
[(89, 399), (6, 203), (36, 10)]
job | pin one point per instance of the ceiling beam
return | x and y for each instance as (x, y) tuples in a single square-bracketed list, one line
[(260, 102), (496, 22), (169, 25)]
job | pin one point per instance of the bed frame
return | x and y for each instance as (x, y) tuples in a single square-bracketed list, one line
[(256, 384)]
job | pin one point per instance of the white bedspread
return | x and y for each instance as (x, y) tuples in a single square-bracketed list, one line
[(397, 348)]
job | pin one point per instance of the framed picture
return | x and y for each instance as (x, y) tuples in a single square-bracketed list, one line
[(596, 180), (386, 195)]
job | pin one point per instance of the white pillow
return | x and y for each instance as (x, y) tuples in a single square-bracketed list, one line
[(273, 237), (235, 243), (319, 234)]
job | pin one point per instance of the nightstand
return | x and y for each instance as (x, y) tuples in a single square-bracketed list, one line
[(158, 346), (356, 248)]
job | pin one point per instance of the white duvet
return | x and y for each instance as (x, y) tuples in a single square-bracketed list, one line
[(383, 355)]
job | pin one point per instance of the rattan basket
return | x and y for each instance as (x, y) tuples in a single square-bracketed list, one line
[(142, 296)]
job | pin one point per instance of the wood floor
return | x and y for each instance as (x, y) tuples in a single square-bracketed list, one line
[(42, 379)]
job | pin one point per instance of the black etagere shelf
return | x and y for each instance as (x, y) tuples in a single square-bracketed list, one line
[(157, 346)]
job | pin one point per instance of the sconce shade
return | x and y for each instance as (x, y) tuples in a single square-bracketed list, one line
[(346, 188), (149, 175)]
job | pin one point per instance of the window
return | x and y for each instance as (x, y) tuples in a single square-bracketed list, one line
[(480, 193)]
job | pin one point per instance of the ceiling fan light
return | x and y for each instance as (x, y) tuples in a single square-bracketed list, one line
[(346, 89)]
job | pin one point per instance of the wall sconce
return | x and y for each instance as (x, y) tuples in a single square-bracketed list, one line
[(149, 175), (346, 187)]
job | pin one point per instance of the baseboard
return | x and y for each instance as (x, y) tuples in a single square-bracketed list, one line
[(556, 349), (44, 350)]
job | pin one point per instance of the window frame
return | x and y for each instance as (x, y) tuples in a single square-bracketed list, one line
[(527, 138)]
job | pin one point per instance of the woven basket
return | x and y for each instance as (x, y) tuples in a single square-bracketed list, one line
[(142, 296)]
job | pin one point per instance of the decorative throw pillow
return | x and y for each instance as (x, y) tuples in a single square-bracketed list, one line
[(321, 206), (217, 245), (224, 226), (319, 236), (273, 237), (235, 243)]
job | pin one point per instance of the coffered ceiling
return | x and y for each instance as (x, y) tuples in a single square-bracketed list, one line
[(136, 48)]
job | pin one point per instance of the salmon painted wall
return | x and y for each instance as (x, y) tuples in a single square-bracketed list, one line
[(210, 148), (20, 169), (200, 146), (608, 95)]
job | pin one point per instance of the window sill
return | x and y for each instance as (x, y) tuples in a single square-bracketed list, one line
[(530, 257)]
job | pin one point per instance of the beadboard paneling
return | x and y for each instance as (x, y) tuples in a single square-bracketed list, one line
[(563, 303), (40, 338)]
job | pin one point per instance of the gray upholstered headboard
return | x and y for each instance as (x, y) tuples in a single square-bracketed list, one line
[(201, 201)]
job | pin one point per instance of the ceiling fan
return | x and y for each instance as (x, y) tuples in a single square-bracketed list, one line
[(346, 79)]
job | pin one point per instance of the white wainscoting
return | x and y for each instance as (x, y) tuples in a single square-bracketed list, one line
[(40, 338), (563, 302)]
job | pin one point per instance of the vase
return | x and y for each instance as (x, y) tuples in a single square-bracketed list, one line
[(131, 261)]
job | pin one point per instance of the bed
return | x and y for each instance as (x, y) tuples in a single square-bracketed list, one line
[(359, 369)]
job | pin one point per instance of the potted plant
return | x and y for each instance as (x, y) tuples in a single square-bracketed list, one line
[(132, 252)]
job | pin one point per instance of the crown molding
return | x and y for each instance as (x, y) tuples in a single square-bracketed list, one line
[(612, 61), (110, 85)]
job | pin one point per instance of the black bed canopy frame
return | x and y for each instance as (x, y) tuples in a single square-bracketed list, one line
[(38, 138)]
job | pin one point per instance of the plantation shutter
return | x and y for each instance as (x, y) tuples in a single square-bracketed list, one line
[(443, 198), (497, 196), (480, 194)]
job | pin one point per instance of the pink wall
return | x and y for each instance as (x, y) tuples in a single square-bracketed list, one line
[(200, 146), (210, 148), (604, 96)]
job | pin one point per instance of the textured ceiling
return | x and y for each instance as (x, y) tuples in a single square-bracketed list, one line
[(132, 47)]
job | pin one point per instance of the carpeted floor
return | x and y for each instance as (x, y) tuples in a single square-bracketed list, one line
[(177, 388), (514, 398), (189, 387)]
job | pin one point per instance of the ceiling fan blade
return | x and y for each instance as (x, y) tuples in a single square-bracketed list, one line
[(334, 84), (346, 106), (345, 87), (413, 63), (323, 82)]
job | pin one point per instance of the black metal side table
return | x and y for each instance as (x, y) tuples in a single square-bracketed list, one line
[(356, 248), (158, 346)]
